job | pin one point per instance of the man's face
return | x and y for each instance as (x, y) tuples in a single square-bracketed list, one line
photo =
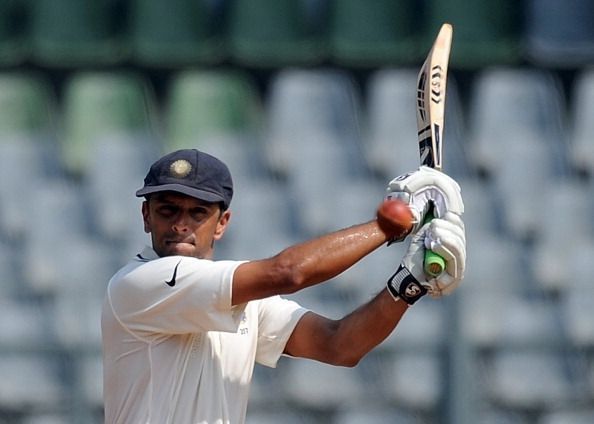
[(183, 225)]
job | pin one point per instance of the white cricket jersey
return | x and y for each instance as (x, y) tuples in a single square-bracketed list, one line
[(176, 351)]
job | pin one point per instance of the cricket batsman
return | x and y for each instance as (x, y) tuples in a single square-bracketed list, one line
[(182, 332)]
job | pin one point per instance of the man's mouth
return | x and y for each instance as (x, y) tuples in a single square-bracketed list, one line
[(171, 242)]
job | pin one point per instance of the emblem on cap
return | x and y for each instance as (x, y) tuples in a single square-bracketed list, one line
[(180, 168)]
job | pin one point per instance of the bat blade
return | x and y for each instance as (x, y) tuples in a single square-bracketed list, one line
[(431, 91), (431, 96)]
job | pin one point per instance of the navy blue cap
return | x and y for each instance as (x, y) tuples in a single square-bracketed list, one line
[(190, 172)]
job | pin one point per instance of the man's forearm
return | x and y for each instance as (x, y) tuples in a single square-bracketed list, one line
[(345, 341), (307, 263), (320, 259), (367, 326)]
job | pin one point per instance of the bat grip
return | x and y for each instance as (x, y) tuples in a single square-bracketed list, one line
[(434, 264)]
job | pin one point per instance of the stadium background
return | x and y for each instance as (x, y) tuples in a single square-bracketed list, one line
[(311, 103)]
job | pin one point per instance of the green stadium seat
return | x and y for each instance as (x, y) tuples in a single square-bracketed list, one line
[(26, 105), (485, 32), (205, 104), (13, 45), (273, 33), (101, 104), (374, 33), (175, 32), (28, 151), (73, 33)]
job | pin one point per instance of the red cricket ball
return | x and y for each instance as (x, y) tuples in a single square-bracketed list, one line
[(394, 218)]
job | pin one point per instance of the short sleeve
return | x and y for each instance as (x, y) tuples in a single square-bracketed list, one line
[(277, 320), (175, 295)]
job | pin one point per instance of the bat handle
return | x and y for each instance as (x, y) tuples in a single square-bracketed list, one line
[(434, 264)]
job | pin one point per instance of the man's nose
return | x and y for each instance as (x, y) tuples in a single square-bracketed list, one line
[(181, 224)]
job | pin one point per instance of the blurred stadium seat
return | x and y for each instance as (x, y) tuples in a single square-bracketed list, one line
[(85, 331), (318, 157), (117, 165), (481, 216), (27, 106), (577, 306), (413, 380), (45, 418), (30, 382), (485, 33), (28, 149), (423, 331), (92, 379), (517, 187), (564, 227), (560, 33), (390, 121), (175, 33), (317, 386), (515, 102), (23, 323), (70, 33), (14, 46), (251, 214), (202, 104), (494, 262), (10, 269), (33, 163), (53, 262), (527, 380), (307, 103), (577, 298), (568, 416), (371, 413), (271, 34), (98, 104), (502, 416), (499, 319), (276, 416), (581, 125), (369, 36)]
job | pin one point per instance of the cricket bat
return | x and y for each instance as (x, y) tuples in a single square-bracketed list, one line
[(431, 96)]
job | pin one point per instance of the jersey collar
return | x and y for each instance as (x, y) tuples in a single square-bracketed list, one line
[(147, 254)]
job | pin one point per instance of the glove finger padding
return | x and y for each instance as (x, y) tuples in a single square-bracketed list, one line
[(447, 238), (448, 241), (426, 187)]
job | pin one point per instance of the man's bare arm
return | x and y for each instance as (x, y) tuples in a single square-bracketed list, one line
[(307, 263), (345, 341)]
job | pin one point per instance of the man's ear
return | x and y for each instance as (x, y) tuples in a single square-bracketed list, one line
[(222, 224), (146, 216)]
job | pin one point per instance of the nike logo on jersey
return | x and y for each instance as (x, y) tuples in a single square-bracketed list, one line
[(171, 282)]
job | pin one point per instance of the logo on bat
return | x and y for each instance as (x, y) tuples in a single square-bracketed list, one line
[(436, 77)]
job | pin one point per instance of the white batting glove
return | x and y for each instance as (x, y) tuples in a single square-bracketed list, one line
[(445, 236), (426, 187)]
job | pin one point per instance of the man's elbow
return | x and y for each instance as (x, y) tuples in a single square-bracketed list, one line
[(348, 362), (345, 355), (288, 277)]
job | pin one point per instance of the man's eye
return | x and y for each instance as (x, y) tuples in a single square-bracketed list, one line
[(166, 210), (199, 213)]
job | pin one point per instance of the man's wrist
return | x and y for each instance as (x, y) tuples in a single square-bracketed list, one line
[(405, 286)]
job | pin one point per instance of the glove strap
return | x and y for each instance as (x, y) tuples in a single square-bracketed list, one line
[(405, 286)]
